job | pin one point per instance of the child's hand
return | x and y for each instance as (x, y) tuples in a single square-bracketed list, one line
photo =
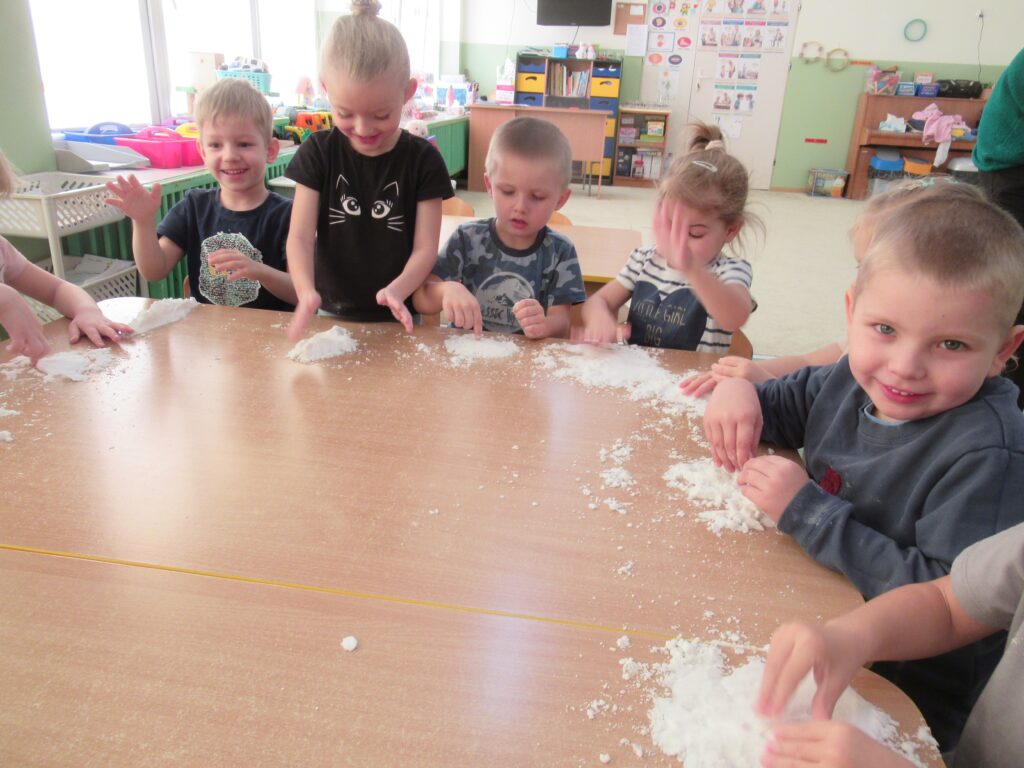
[(741, 368), (388, 299), (309, 303), (461, 308), (771, 482), (23, 327), (236, 264), (828, 744), (133, 199), (670, 239), (795, 650), (733, 422), (698, 384), (604, 330), (91, 323), (532, 319)]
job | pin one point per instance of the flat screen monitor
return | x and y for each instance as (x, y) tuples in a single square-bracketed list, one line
[(572, 13)]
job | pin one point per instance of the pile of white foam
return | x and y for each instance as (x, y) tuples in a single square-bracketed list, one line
[(161, 313), (465, 349), (725, 506), (333, 342)]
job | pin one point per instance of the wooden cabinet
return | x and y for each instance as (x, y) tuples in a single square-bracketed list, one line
[(640, 146), (548, 81), (872, 110)]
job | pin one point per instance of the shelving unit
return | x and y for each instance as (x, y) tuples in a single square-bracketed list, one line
[(866, 138), (548, 81), (640, 143)]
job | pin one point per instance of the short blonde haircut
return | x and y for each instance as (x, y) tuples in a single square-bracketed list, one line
[(237, 98), (8, 181), (883, 203), (531, 139), (955, 236), (363, 46)]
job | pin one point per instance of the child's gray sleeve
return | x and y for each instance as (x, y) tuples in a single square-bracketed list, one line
[(451, 258), (979, 496), (988, 578), (786, 403)]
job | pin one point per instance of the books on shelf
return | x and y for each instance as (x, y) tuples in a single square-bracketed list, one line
[(563, 81)]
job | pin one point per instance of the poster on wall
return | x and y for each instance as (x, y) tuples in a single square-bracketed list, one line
[(775, 36), (661, 42), (709, 35)]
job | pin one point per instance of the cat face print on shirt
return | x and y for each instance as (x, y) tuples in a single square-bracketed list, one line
[(350, 207)]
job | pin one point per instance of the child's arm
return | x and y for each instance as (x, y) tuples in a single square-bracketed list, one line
[(154, 256), (757, 371), (72, 302), (460, 307), (733, 422), (913, 622), (600, 315), (421, 261), (238, 265), (22, 325), (538, 325), (300, 247)]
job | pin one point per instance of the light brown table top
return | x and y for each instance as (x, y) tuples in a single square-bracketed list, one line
[(443, 509), (602, 251)]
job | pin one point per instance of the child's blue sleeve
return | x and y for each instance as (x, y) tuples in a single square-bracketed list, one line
[(567, 283), (977, 497), (786, 403)]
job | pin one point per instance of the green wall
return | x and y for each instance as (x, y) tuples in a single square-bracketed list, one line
[(821, 104)]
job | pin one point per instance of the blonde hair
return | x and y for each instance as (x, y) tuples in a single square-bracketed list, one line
[(708, 178), (533, 139), (363, 46), (954, 235), (235, 97), (8, 181), (899, 194)]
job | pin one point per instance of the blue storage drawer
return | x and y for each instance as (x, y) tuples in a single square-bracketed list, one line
[(609, 147), (531, 65), (606, 104), (530, 99), (607, 69)]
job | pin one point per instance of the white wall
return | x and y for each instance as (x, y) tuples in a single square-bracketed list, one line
[(514, 22), (873, 29)]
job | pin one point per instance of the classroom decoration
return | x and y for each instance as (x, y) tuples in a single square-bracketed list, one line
[(811, 51), (837, 60), (915, 30)]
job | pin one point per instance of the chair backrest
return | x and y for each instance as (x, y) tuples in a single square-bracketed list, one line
[(741, 346), (456, 206), (560, 218), (186, 289)]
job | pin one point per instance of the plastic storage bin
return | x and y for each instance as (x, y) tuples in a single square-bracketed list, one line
[(101, 133), (963, 169), (100, 277), (164, 148), (885, 169), (915, 168), (261, 80), (826, 182)]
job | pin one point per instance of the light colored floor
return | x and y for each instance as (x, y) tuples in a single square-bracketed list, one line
[(802, 266)]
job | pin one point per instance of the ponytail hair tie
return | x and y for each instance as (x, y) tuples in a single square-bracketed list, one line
[(715, 144)]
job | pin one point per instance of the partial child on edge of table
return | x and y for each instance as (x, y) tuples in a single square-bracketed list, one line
[(762, 370), (19, 275), (512, 273), (233, 236), (983, 594), (367, 213), (686, 293), (913, 441)]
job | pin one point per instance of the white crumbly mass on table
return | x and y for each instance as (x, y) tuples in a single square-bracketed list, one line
[(350, 643), (466, 349), (161, 313), (726, 508), (333, 342), (75, 366)]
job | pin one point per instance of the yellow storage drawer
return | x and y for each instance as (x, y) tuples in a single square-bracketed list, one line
[(609, 128), (605, 86), (604, 168), (529, 82)]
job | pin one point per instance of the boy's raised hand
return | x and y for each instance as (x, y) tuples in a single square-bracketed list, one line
[(22, 325), (827, 744), (797, 649), (133, 199), (771, 482), (386, 298), (461, 308), (309, 303), (532, 319), (91, 323), (733, 422)]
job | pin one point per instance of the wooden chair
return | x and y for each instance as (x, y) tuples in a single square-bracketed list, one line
[(186, 289), (456, 206), (560, 218), (741, 346)]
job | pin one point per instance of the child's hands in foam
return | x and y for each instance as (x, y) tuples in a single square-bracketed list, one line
[(603, 329), (827, 744), (733, 422), (771, 482), (461, 308), (91, 323), (308, 304), (532, 319), (133, 199), (22, 325)]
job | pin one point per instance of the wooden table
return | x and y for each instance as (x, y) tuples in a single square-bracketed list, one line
[(188, 535), (584, 128)]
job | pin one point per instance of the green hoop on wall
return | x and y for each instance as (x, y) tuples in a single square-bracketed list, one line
[(837, 60), (915, 30)]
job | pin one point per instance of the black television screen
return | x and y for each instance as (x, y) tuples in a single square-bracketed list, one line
[(572, 13)]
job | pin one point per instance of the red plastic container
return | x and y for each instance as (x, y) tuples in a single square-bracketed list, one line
[(164, 148)]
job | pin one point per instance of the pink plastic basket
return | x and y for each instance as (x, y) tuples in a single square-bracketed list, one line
[(164, 148)]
